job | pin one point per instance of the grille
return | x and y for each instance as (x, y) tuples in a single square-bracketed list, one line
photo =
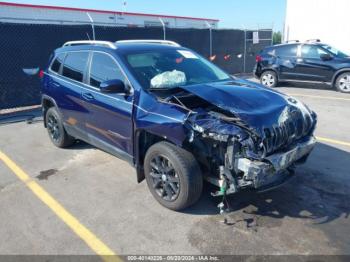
[(282, 135)]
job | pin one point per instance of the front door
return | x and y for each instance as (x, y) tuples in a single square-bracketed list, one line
[(311, 67), (109, 124)]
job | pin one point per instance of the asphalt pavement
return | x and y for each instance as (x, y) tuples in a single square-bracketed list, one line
[(84, 201)]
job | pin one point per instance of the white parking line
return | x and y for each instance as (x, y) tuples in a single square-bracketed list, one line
[(333, 141), (72, 222)]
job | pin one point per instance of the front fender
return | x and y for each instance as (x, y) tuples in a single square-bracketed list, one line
[(159, 121), (337, 73)]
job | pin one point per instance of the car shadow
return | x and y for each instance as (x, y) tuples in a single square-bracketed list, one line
[(320, 191), (80, 145)]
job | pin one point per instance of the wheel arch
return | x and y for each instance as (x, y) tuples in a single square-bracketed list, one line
[(143, 141), (270, 69), (46, 103), (338, 73)]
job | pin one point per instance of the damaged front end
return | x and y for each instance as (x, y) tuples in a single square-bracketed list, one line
[(234, 157), (237, 152)]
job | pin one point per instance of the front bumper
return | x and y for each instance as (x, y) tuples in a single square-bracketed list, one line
[(274, 169)]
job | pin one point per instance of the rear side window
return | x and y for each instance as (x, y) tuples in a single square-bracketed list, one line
[(312, 51), (104, 68), (56, 65), (269, 51), (74, 65), (287, 51), (272, 52)]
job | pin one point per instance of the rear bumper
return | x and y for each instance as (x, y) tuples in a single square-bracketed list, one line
[(274, 169), (257, 71)]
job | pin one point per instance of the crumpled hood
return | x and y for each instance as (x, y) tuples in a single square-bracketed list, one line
[(256, 105), (276, 118)]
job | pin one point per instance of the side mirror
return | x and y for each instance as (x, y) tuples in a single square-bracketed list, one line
[(113, 86), (326, 57)]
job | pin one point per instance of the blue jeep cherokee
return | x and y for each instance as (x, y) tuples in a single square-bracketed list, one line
[(175, 116)]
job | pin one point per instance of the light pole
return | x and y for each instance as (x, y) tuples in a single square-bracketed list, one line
[(92, 25), (163, 24), (210, 38)]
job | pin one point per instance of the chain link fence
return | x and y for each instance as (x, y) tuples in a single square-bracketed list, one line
[(25, 48)]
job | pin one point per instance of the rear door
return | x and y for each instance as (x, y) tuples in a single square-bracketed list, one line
[(311, 67), (109, 124), (286, 57), (67, 85)]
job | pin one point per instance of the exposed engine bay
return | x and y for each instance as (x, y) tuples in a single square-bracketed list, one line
[(237, 150)]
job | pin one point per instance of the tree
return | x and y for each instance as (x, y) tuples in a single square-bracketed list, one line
[(277, 38)]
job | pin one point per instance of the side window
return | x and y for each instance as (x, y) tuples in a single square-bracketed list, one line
[(56, 65), (103, 68), (74, 65), (268, 51), (287, 51), (312, 51)]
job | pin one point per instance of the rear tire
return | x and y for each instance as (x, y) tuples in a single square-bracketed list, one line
[(269, 79), (55, 129), (342, 84), (173, 176)]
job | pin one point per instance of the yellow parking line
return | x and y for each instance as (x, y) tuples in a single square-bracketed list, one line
[(321, 97), (79, 229), (333, 141)]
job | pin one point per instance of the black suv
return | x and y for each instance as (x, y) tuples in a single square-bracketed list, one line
[(311, 61)]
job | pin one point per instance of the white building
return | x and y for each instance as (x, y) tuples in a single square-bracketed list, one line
[(24, 13), (327, 20)]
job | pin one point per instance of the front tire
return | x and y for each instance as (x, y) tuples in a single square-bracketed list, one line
[(55, 129), (173, 176), (269, 79), (342, 84)]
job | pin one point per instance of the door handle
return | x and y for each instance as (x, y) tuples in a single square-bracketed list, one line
[(88, 96)]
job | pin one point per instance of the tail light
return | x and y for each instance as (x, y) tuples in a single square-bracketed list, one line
[(41, 73), (258, 58)]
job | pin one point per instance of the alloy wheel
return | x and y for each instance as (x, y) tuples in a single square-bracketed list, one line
[(268, 80), (53, 128), (344, 83), (166, 181)]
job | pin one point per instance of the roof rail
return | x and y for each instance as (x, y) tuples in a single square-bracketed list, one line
[(163, 42), (292, 41), (90, 42), (313, 40)]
